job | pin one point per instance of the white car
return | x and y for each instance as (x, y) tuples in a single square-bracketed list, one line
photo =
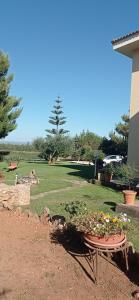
[(112, 158)]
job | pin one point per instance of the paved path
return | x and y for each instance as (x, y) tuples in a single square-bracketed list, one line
[(75, 184)]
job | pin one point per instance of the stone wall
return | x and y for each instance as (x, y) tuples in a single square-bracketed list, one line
[(15, 195)]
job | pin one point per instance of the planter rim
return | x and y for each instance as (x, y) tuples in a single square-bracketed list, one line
[(129, 192), (108, 244), (104, 236)]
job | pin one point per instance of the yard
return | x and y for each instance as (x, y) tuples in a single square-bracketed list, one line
[(66, 182), (35, 265)]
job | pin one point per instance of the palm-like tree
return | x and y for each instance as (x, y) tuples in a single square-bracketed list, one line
[(57, 119)]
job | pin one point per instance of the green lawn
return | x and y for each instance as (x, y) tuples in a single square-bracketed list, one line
[(63, 175)]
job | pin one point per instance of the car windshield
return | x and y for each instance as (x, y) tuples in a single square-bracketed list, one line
[(111, 157)]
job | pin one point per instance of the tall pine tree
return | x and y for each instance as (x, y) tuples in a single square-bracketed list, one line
[(57, 119), (122, 128), (9, 110)]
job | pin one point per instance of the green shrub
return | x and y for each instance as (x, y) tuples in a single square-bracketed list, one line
[(125, 173), (75, 208)]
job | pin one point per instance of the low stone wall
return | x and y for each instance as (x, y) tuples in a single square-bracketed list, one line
[(130, 210), (15, 195)]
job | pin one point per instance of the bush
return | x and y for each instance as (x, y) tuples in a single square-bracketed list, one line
[(125, 174), (75, 208)]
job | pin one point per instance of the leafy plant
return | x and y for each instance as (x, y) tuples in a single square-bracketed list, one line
[(75, 208), (108, 169), (101, 224)]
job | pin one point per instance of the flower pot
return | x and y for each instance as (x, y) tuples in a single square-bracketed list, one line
[(108, 177), (104, 240), (129, 197)]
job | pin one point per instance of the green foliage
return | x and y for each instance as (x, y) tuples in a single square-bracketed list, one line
[(75, 208), (38, 143), (109, 169), (57, 119), (117, 143), (125, 173), (87, 139), (3, 153), (9, 110), (56, 146), (17, 147), (123, 128), (22, 155), (86, 146)]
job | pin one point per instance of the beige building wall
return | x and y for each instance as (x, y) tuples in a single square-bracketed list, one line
[(133, 143)]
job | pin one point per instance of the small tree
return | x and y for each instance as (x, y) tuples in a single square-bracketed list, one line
[(56, 146), (126, 174), (57, 119), (85, 145), (9, 110)]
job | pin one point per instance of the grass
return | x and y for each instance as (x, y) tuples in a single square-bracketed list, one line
[(62, 175), (95, 197)]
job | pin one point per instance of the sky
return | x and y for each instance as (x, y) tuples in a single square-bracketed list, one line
[(63, 48)]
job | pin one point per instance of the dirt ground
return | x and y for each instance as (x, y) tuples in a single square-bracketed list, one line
[(34, 268)]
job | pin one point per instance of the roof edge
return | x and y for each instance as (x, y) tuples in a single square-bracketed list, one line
[(132, 34)]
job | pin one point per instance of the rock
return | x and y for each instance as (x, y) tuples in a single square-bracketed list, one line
[(28, 213), (18, 211), (135, 294), (29, 180), (36, 218), (44, 219), (46, 211), (15, 195), (7, 205), (45, 216)]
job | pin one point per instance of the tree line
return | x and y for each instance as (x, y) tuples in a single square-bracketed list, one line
[(84, 146)]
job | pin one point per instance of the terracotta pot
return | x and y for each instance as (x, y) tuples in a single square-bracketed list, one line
[(104, 240), (129, 197), (108, 177)]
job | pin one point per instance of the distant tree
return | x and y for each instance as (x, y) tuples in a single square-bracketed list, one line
[(17, 147), (118, 139), (88, 139), (57, 119), (122, 128), (85, 145), (56, 146), (38, 143), (9, 110)]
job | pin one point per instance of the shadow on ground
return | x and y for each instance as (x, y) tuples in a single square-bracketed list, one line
[(111, 204), (83, 171), (72, 241), (4, 292)]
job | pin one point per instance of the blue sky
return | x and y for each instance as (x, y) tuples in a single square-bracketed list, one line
[(63, 47)]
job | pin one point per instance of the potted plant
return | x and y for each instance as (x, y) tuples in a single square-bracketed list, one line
[(103, 229), (126, 175), (107, 172)]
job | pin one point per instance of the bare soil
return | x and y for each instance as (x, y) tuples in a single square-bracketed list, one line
[(34, 268)]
